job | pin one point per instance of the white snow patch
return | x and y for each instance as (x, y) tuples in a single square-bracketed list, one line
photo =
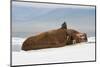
[(17, 43), (91, 39), (17, 40)]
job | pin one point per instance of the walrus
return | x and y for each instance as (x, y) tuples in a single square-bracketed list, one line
[(54, 38)]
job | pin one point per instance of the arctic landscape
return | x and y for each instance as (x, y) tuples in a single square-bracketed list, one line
[(52, 33), (77, 52)]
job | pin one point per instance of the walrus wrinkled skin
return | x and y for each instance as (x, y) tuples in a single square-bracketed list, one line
[(54, 38)]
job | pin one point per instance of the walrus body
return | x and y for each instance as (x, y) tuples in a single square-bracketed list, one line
[(54, 38)]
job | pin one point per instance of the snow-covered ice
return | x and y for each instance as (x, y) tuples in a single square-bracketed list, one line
[(17, 43), (76, 52), (91, 39)]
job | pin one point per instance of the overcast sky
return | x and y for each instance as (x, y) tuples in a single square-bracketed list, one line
[(32, 18)]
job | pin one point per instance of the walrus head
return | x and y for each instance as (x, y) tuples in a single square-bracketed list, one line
[(74, 36), (81, 37)]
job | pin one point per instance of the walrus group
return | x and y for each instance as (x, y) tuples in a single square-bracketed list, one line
[(54, 38)]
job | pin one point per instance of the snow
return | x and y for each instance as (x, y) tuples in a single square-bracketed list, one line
[(17, 43), (16, 40), (91, 39), (76, 52)]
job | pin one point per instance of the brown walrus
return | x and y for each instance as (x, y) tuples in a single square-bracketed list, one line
[(54, 38)]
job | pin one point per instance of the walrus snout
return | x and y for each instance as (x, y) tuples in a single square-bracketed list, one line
[(82, 37)]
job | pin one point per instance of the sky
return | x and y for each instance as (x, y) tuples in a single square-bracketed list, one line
[(33, 18)]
